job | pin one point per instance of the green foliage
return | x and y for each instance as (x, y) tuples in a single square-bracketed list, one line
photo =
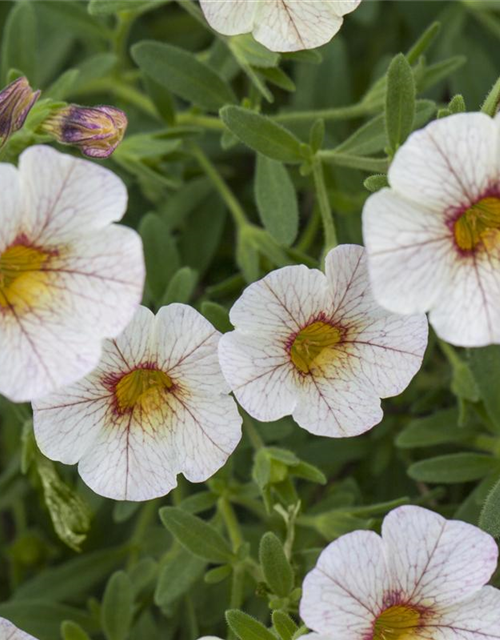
[(117, 607), (400, 101)]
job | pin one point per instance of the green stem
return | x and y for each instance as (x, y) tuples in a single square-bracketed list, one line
[(120, 36), (197, 120), (309, 234), (224, 191), (148, 512), (340, 113), (231, 522), (324, 206), (252, 433)]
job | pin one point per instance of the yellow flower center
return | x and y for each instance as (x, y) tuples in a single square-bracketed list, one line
[(313, 345), (397, 623), (22, 280), (480, 224), (143, 388)]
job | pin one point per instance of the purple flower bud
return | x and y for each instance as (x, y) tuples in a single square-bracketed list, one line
[(97, 131), (16, 101)]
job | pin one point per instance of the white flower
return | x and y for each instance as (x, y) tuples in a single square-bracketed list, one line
[(280, 25), (433, 238), (10, 632), (422, 580), (68, 277), (319, 348), (157, 405)]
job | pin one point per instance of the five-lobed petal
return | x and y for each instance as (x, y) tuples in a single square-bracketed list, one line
[(280, 25), (351, 352), (8, 631), (68, 277), (433, 238), (422, 580), (132, 436)]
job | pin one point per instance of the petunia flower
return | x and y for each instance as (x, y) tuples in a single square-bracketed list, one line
[(97, 131), (156, 405), (16, 101), (422, 580), (433, 238), (280, 25), (319, 347), (10, 632), (68, 276)]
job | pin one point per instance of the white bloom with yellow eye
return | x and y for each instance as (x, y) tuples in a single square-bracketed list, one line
[(10, 632), (280, 25), (318, 347), (433, 238), (423, 579), (156, 406), (68, 277)]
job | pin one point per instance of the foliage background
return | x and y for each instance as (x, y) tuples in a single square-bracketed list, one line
[(74, 565)]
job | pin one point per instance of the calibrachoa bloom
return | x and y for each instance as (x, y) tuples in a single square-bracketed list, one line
[(68, 277), (16, 101), (319, 347), (433, 238), (97, 131), (280, 25), (9, 632), (157, 405), (422, 580)]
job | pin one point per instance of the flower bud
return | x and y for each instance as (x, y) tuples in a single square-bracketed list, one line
[(16, 101), (97, 131)]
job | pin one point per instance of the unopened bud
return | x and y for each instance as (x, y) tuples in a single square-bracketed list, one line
[(97, 131), (16, 101)]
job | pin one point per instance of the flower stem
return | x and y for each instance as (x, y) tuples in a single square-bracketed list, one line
[(252, 433), (224, 191), (324, 206)]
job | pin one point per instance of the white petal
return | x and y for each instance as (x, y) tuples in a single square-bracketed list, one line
[(468, 312), (450, 163), (477, 618), (10, 204), (230, 17), (288, 25), (10, 632), (64, 195), (337, 404), (282, 303), (436, 562), (344, 593), (260, 374), (137, 455), (411, 252)]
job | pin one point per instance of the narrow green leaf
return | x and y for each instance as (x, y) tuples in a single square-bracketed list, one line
[(485, 366), (246, 627), (439, 428), (492, 102), (375, 183), (453, 468), (400, 101), (19, 41), (117, 607), (72, 631), (284, 625), (160, 253), (181, 286), (107, 7), (218, 574), (276, 200), (196, 535), (424, 42), (489, 519), (262, 134), (275, 565), (178, 575), (217, 315), (183, 74)]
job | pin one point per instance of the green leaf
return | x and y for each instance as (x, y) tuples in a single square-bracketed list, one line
[(178, 576), (217, 315), (400, 101), (457, 104), (375, 183), (489, 519), (218, 574), (160, 253), (492, 102), (107, 7), (246, 627), (183, 74), (72, 631), (196, 535), (453, 468), (275, 565), (181, 286), (117, 607), (19, 41), (485, 366), (284, 625), (276, 200), (309, 472), (438, 428), (262, 134), (423, 43)]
